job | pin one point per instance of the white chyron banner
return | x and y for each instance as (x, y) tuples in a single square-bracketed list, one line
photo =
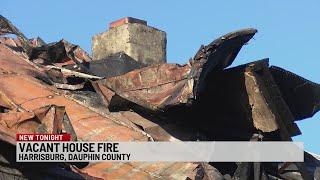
[(160, 151)]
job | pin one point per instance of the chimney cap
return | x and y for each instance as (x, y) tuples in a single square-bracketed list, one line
[(126, 20)]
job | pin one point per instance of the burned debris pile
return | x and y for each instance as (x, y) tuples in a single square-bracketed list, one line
[(59, 88)]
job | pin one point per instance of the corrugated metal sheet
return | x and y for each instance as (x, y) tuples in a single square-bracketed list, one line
[(161, 86), (48, 88), (47, 119), (21, 90), (28, 93)]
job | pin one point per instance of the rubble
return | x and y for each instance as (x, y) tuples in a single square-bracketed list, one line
[(160, 86), (58, 88), (45, 120)]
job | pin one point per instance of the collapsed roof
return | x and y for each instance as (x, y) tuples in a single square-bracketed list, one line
[(57, 88)]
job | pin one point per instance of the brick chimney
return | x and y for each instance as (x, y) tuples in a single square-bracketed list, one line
[(143, 43)]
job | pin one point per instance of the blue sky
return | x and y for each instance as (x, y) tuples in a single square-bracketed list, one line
[(288, 31)]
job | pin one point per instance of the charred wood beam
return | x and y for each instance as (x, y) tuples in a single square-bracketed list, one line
[(266, 105), (280, 110), (218, 55), (241, 103)]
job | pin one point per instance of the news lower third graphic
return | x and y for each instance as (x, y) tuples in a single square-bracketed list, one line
[(45, 147), (59, 148)]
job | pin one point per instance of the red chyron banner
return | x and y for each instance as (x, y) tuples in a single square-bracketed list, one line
[(43, 137)]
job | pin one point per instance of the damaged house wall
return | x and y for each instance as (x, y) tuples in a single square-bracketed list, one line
[(57, 88)]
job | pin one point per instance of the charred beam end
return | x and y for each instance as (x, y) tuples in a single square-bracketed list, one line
[(283, 115), (218, 55), (278, 109), (259, 98), (230, 43)]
